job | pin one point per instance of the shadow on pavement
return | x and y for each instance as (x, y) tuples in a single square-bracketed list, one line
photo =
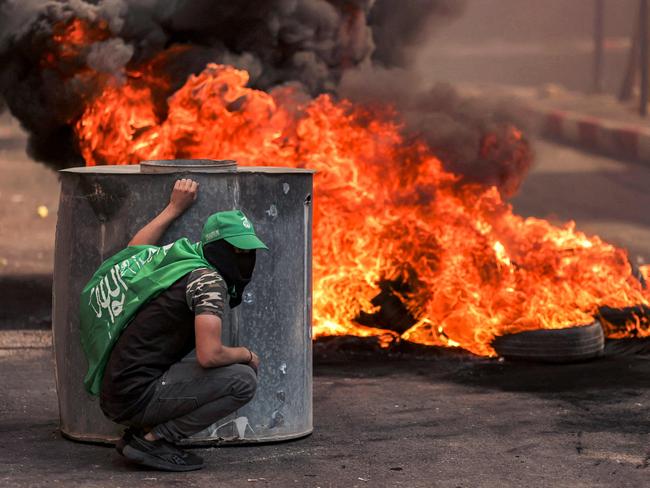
[(26, 301), (603, 394)]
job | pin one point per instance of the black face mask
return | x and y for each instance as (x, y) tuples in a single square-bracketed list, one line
[(236, 268)]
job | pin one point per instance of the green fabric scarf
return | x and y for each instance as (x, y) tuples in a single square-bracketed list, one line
[(117, 290)]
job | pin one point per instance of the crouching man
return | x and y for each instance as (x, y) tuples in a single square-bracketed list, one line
[(144, 312)]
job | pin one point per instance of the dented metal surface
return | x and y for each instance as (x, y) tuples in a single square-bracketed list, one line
[(102, 207)]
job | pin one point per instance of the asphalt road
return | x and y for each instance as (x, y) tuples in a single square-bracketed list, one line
[(452, 422)]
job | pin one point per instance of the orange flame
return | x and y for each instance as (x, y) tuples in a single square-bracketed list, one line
[(70, 39), (384, 210)]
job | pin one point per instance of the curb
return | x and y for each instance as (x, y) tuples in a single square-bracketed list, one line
[(25, 339), (591, 133)]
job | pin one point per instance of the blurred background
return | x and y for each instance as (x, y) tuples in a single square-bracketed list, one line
[(530, 43)]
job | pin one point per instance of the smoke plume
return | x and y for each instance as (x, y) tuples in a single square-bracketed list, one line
[(359, 49), (470, 135)]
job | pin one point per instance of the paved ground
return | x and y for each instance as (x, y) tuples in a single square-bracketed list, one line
[(444, 423), (27, 243), (26, 188), (454, 421)]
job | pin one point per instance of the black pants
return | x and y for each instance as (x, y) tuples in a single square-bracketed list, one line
[(189, 398)]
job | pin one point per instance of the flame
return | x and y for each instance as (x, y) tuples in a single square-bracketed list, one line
[(70, 39), (385, 210)]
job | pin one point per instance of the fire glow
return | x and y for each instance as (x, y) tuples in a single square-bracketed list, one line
[(385, 210)]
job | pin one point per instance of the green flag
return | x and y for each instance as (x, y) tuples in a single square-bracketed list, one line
[(117, 290)]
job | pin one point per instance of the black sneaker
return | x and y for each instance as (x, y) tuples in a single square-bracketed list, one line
[(126, 437), (160, 454)]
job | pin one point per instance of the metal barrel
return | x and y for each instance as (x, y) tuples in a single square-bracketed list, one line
[(102, 207)]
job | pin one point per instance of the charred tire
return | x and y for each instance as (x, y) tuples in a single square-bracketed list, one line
[(553, 346)]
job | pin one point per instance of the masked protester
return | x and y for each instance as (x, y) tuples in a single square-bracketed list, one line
[(150, 321)]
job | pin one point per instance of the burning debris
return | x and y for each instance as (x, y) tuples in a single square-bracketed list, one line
[(625, 321), (414, 239)]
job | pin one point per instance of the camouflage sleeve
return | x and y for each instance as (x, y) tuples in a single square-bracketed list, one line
[(206, 292)]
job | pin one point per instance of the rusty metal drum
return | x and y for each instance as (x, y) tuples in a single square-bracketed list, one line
[(102, 207)]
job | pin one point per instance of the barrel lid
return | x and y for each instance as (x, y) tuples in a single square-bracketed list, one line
[(191, 165), (137, 169)]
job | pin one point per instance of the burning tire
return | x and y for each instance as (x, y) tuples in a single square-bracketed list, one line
[(553, 346)]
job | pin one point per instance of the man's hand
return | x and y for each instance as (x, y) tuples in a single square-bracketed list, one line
[(183, 196), (254, 362)]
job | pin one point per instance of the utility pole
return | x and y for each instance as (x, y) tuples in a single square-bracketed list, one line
[(632, 64), (599, 15), (643, 58)]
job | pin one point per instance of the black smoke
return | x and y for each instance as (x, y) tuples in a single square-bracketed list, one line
[(472, 136), (399, 26), (354, 48)]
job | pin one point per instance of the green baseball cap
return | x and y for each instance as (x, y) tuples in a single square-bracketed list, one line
[(232, 226)]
